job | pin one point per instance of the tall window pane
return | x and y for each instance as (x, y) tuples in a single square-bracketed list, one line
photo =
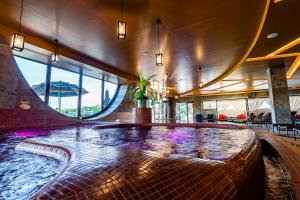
[(109, 92), (64, 91), (35, 75), (184, 112), (190, 112), (91, 101)]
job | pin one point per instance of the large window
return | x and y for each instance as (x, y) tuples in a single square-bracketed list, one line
[(64, 91), (184, 112), (109, 93), (209, 105), (158, 111), (91, 101), (34, 73)]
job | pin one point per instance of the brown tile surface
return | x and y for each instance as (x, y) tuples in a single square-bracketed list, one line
[(113, 171), (289, 150)]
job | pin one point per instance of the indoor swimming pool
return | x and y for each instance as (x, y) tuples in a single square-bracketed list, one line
[(135, 148)]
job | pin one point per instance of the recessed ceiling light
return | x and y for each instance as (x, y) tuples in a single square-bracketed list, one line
[(272, 35)]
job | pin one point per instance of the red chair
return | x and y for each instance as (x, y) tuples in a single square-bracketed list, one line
[(222, 117), (241, 116)]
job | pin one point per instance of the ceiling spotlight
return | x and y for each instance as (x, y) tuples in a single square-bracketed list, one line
[(55, 58), (272, 35), (201, 84), (159, 55), (121, 25), (18, 40)]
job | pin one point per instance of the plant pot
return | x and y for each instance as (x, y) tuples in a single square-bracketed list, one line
[(142, 103)]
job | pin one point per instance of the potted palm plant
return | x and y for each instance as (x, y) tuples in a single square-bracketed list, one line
[(141, 91)]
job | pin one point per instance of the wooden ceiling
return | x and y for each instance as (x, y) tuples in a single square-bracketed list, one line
[(216, 35)]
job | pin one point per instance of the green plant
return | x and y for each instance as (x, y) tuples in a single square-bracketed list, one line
[(141, 88)]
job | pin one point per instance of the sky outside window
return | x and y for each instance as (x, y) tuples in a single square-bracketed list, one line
[(34, 73)]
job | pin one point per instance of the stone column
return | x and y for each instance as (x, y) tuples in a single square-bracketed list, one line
[(279, 94), (171, 110)]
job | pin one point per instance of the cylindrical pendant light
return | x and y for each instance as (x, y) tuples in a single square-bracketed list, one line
[(158, 56), (200, 72), (121, 25), (18, 40), (55, 58)]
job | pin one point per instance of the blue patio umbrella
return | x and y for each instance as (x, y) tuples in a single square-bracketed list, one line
[(59, 89)]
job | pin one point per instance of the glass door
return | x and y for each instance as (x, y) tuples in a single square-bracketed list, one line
[(158, 111), (184, 112)]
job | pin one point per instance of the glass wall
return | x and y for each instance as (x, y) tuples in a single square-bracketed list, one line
[(35, 75), (158, 111), (109, 92), (64, 89), (209, 105), (92, 100), (184, 112)]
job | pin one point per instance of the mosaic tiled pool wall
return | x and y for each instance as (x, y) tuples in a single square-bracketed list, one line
[(104, 173)]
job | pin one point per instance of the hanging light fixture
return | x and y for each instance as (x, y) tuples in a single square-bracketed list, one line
[(18, 40), (121, 25), (201, 83), (163, 89), (159, 55), (55, 58)]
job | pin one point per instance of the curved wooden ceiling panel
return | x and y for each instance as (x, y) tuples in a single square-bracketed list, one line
[(212, 33)]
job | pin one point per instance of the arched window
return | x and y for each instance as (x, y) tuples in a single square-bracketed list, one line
[(64, 90)]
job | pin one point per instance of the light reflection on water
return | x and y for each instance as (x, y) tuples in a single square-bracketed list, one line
[(22, 174)]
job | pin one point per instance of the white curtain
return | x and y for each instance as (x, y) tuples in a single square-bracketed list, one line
[(255, 104), (231, 108), (222, 105), (295, 103)]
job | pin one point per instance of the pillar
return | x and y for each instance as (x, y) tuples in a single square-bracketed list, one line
[(279, 94), (171, 110)]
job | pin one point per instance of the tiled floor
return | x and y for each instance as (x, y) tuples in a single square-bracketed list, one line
[(105, 166)]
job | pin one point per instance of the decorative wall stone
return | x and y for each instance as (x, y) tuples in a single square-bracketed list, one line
[(279, 94)]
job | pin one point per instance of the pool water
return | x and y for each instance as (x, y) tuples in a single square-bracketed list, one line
[(22, 174), (276, 183), (206, 143)]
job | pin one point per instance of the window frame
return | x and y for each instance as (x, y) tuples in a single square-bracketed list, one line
[(79, 98)]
